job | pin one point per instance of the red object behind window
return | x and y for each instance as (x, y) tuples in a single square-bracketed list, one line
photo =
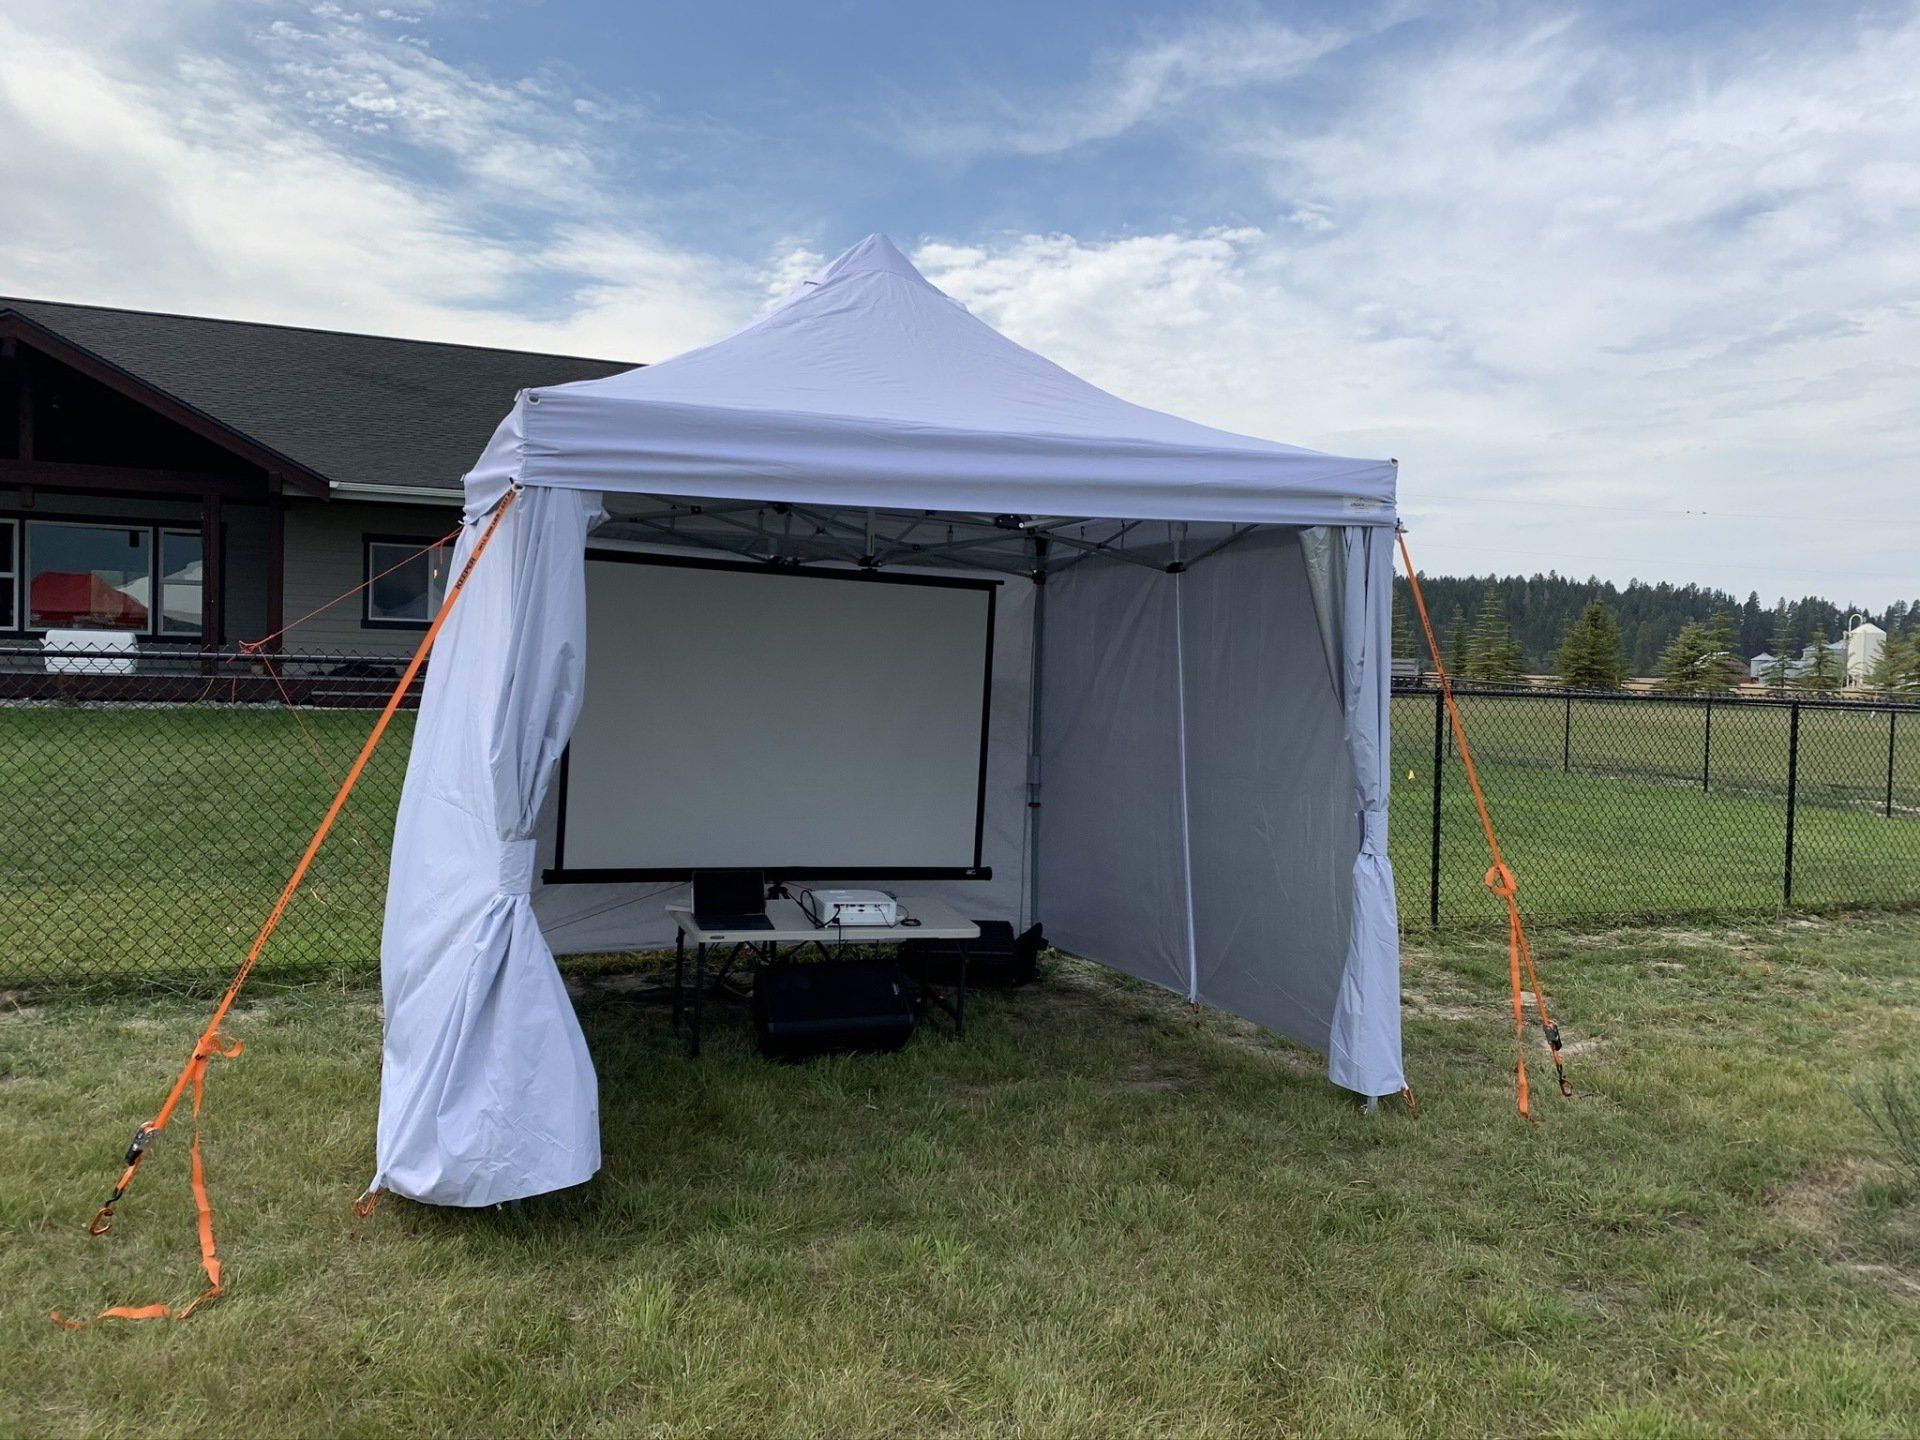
[(59, 598)]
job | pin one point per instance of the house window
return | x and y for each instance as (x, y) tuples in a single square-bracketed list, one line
[(180, 570), (405, 581), (97, 575), (9, 574), (89, 577)]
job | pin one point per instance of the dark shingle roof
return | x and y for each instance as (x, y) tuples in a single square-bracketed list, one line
[(356, 409)]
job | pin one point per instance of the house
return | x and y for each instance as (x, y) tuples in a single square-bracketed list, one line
[(196, 483)]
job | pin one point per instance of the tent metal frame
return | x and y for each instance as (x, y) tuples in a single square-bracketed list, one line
[(780, 532)]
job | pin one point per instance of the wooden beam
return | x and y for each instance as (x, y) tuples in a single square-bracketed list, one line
[(38, 337), (127, 480), (24, 448), (276, 569), (212, 554)]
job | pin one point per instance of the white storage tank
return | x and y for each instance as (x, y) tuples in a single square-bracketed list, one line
[(1865, 641)]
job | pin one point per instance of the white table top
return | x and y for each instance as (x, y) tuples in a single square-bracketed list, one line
[(938, 921)]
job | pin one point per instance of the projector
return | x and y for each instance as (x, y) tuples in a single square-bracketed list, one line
[(850, 907)]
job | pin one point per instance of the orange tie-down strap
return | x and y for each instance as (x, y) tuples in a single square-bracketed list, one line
[(1499, 878), (209, 1045), (209, 1253)]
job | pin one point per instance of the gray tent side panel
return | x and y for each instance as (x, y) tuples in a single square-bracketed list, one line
[(1269, 804), (1112, 864), (1270, 791)]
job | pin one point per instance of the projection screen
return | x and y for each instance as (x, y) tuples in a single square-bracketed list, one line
[(809, 723)]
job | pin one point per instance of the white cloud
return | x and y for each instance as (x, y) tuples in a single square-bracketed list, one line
[(1546, 270), (1127, 88), (146, 165)]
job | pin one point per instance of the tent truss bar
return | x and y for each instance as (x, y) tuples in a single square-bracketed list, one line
[(1110, 547), (1240, 533), (876, 539), (706, 541)]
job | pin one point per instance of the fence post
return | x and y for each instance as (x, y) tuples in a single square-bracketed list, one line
[(1893, 719), (1440, 738), (1566, 739), (1706, 760), (1793, 790)]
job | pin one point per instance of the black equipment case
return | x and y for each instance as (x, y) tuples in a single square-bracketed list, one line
[(839, 1005), (998, 957)]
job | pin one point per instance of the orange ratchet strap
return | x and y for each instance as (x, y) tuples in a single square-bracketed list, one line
[(1499, 878), (210, 1041)]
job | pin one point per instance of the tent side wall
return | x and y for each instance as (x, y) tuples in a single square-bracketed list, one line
[(1261, 814)]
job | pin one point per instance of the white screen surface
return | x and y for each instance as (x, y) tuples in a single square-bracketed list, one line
[(741, 717)]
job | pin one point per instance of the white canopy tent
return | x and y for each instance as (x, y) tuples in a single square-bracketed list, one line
[(1203, 636)]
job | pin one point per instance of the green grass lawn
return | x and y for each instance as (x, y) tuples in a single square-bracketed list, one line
[(1095, 1215), (1843, 753), (138, 842), (1627, 831), (153, 841)]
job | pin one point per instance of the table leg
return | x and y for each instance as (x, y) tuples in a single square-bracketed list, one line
[(960, 1006), (679, 974), (699, 991)]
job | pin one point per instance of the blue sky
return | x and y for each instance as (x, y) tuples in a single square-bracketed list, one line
[(1629, 289)]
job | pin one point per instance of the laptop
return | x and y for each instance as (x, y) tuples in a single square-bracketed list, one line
[(730, 900)]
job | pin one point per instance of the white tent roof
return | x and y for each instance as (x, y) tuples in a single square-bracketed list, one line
[(868, 387)]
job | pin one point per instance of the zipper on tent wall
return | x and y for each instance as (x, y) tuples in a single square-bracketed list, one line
[(1178, 569)]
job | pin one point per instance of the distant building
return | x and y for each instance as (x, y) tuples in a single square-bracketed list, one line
[(1865, 643), (1761, 666)]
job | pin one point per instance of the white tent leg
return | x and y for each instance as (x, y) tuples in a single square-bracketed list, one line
[(1180, 712)]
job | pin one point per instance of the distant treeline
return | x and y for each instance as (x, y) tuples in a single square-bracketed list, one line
[(1540, 610)]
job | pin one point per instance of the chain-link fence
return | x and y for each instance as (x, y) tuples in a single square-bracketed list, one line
[(1628, 806), (152, 805)]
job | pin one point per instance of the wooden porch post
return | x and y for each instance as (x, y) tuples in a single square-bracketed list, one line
[(212, 611), (276, 563)]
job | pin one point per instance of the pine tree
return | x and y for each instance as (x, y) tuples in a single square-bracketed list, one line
[(1889, 669), (1823, 670), (1753, 625), (1492, 655), (1777, 678), (1591, 657), (1723, 668), (1459, 643), (1683, 664), (1403, 644)]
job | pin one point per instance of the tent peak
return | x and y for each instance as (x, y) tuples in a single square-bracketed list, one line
[(872, 255)]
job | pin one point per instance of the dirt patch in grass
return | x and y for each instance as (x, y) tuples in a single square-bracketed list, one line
[(631, 982), (12, 1007), (1890, 1277), (1288, 1056), (1816, 1201), (1144, 1079), (1436, 1010)]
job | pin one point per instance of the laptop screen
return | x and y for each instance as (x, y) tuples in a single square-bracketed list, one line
[(729, 892)]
